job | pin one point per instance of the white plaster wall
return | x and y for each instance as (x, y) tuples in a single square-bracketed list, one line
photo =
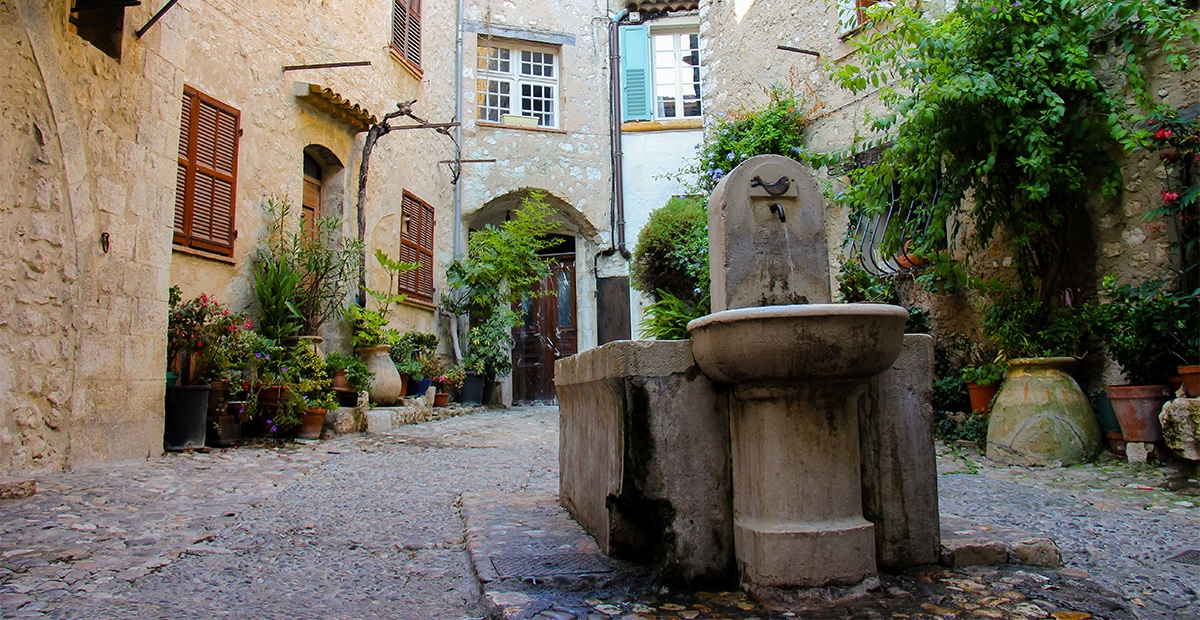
[(648, 156)]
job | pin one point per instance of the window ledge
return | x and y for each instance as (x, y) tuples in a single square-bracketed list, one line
[(518, 127), (671, 125), (220, 258), (419, 303), (406, 63)]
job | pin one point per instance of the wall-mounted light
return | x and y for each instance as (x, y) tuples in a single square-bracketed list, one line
[(104, 241)]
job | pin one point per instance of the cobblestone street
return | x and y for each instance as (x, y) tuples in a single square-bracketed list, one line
[(371, 526)]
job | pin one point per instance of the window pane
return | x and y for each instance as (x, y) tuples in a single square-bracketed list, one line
[(565, 295)]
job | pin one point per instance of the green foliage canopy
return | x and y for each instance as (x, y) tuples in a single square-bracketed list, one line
[(1007, 102)]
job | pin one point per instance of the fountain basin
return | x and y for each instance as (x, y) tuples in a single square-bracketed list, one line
[(806, 342)]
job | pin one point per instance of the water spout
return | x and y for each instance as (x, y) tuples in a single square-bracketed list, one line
[(777, 209)]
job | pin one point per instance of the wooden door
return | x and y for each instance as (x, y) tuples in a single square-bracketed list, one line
[(548, 331)]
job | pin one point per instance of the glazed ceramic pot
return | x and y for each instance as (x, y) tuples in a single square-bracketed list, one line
[(1041, 416)]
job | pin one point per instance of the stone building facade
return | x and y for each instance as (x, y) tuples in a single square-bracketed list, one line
[(92, 132)]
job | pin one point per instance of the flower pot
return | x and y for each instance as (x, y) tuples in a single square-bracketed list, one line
[(340, 380), (1191, 380), (346, 397), (1116, 443), (1137, 408), (272, 396), (472, 389), (1106, 416), (310, 342), (418, 387), (386, 387), (311, 423), (440, 399), (1040, 415), (186, 417), (981, 396)]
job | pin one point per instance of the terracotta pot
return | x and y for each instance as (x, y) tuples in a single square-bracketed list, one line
[(981, 396), (1137, 408), (340, 381), (1191, 380), (217, 396), (311, 423), (440, 399), (1116, 443), (272, 396), (1041, 416), (386, 386)]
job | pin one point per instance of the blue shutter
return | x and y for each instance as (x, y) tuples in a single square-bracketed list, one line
[(635, 73)]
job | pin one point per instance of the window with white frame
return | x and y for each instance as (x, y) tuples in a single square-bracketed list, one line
[(852, 14), (660, 71), (517, 79), (676, 75)]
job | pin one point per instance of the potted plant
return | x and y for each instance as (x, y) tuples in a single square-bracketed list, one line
[(983, 381), (490, 349), (349, 376), (199, 331), (451, 378), (272, 401), (1040, 414), (373, 337), (411, 353), (1145, 330), (314, 385)]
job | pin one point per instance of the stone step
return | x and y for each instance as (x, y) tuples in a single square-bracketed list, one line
[(967, 543)]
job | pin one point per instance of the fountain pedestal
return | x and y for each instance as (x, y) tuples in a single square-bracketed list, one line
[(800, 375), (796, 485)]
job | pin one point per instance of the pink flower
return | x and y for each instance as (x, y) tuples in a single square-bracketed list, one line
[(1169, 197), (1163, 134)]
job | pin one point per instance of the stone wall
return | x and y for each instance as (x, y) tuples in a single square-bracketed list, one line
[(92, 147)]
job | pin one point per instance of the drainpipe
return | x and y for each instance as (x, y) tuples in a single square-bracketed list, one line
[(458, 132), (614, 99)]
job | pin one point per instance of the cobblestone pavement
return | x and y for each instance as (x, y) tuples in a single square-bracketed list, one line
[(370, 526), (1120, 524)]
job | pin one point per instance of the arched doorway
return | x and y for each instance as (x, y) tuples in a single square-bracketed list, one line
[(551, 327)]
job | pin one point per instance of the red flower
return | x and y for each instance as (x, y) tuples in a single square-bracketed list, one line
[(1163, 134), (1169, 197)]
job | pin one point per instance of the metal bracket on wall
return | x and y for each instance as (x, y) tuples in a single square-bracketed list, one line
[(157, 16)]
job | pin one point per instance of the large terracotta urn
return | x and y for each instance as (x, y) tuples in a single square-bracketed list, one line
[(386, 387), (1041, 416)]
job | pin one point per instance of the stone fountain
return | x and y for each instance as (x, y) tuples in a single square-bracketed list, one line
[(787, 446), (799, 368)]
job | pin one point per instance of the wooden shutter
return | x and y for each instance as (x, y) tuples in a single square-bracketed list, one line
[(206, 177), (406, 30), (635, 73), (416, 246)]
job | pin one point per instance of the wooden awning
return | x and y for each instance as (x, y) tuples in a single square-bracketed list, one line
[(334, 104)]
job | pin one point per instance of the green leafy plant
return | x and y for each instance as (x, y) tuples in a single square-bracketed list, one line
[(984, 374), (357, 373), (1146, 329), (671, 254), (503, 265), (370, 326), (855, 285), (314, 384), (490, 345), (451, 377), (1007, 103), (1025, 327), (667, 318), (327, 261), (776, 127), (275, 277), (411, 351)]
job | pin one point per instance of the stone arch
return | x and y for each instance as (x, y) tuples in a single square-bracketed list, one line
[(571, 220)]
